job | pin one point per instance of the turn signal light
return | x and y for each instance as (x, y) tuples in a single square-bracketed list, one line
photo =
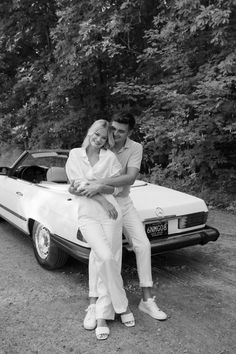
[(80, 236), (182, 222), (191, 220)]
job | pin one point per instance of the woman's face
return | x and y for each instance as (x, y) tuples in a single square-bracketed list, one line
[(99, 138)]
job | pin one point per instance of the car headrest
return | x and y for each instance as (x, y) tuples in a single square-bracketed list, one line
[(57, 174)]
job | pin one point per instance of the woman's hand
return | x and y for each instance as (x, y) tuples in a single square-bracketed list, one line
[(110, 209), (75, 189)]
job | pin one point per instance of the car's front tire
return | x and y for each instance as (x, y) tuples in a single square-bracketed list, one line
[(47, 253)]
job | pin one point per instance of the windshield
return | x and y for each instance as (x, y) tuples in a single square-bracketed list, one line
[(40, 167)]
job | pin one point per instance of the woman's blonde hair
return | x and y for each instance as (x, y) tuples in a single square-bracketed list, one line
[(99, 124)]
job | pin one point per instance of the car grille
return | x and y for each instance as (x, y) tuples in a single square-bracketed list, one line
[(192, 220)]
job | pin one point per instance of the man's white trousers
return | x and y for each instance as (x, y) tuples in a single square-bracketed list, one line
[(136, 235)]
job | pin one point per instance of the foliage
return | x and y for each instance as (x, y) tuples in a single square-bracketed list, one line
[(64, 64), (191, 60)]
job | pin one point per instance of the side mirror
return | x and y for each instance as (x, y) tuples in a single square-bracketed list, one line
[(4, 170)]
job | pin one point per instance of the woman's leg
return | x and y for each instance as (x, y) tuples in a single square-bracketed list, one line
[(113, 230), (93, 276), (112, 291), (115, 242)]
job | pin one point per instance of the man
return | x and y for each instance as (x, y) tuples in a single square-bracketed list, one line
[(129, 153)]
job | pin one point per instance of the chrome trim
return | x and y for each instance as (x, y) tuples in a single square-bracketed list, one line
[(163, 218), (13, 224), (140, 185), (77, 251), (12, 212)]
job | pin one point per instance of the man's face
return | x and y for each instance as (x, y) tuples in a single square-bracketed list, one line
[(120, 132)]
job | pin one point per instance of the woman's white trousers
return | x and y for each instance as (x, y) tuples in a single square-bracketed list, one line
[(104, 235)]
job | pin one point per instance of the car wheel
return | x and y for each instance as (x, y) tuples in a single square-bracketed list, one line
[(47, 253)]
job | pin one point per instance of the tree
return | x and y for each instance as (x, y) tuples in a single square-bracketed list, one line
[(64, 64), (26, 54), (187, 76)]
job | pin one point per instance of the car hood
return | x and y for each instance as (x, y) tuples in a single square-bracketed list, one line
[(148, 197)]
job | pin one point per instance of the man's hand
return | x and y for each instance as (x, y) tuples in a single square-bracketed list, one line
[(109, 207), (125, 179), (77, 187), (91, 189), (88, 189)]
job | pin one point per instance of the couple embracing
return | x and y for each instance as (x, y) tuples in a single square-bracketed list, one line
[(101, 173)]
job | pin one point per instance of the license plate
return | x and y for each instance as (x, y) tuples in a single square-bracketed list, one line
[(156, 229)]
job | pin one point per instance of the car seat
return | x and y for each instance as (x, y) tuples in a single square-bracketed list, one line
[(57, 175)]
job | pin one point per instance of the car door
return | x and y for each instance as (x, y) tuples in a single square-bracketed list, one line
[(12, 200)]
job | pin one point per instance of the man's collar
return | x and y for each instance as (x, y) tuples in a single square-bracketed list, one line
[(83, 150), (126, 145)]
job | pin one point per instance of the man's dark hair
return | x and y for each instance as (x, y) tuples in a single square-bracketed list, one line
[(124, 118)]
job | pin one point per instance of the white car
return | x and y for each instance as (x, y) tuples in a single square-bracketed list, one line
[(34, 197)]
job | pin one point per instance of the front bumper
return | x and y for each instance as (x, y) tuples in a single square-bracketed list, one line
[(172, 242), (73, 249), (158, 245)]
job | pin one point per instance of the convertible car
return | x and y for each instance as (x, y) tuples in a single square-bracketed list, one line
[(34, 197)]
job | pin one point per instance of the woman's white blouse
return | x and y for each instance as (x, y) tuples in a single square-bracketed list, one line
[(78, 167)]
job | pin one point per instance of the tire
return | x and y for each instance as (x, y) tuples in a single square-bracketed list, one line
[(48, 255)]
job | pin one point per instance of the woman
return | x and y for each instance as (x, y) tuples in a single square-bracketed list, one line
[(100, 223)]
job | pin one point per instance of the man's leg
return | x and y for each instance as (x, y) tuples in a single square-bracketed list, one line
[(136, 235)]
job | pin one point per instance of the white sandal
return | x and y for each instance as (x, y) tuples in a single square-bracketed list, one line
[(102, 333), (128, 319)]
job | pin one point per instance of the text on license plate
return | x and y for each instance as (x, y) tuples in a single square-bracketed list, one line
[(157, 229)]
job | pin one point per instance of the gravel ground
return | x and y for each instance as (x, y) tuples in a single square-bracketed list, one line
[(41, 312)]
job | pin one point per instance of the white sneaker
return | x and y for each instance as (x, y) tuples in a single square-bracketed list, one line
[(151, 308), (90, 318)]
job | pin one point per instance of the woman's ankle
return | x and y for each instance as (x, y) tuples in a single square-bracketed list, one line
[(126, 312), (101, 322)]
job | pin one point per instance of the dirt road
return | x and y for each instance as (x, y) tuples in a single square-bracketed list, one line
[(42, 312)]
